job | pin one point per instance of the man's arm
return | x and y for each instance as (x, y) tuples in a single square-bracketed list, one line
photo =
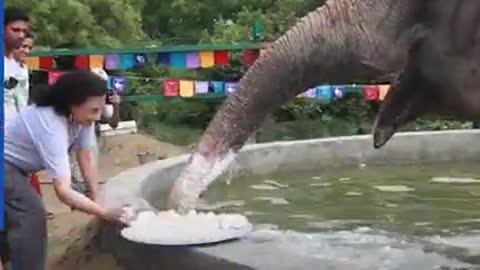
[(113, 121)]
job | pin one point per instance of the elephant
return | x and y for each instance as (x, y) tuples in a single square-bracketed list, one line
[(442, 72), (342, 40)]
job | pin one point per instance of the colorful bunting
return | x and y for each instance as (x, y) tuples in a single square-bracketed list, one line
[(207, 59), (46, 62), (383, 91), (163, 58), (218, 87), (324, 92), (141, 59), (310, 93), (33, 62), (187, 88), (203, 59), (222, 58), (96, 61), (53, 76), (338, 91), (249, 57), (127, 61), (193, 60), (112, 61), (177, 60), (171, 88), (231, 87), (371, 92), (201, 87), (82, 61)]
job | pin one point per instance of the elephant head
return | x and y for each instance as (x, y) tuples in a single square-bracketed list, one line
[(442, 72), (341, 41)]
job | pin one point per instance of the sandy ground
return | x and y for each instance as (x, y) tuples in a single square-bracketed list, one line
[(70, 233)]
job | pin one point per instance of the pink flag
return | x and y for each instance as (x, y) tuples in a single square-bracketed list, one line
[(53, 76)]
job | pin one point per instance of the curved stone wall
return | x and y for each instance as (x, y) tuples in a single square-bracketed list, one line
[(153, 180)]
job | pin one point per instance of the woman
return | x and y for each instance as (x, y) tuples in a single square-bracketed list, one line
[(110, 115), (40, 138)]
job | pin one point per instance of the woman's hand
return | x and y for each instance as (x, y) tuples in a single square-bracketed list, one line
[(81, 202), (123, 215)]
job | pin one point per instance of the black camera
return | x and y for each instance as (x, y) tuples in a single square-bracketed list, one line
[(10, 83), (107, 97)]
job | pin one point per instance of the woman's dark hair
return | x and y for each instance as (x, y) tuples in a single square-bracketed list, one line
[(72, 88)]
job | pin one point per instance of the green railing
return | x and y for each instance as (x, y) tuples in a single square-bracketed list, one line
[(151, 49)]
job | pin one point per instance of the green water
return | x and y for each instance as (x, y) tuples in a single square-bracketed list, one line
[(347, 198)]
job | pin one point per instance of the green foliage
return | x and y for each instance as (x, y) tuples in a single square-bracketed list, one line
[(86, 23)]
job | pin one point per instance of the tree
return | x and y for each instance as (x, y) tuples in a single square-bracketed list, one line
[(85, 23)]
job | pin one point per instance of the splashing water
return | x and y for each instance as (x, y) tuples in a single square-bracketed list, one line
[(195, 179)]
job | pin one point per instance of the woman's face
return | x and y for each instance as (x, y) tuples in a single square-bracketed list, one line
[(87, 113), (21, 53)]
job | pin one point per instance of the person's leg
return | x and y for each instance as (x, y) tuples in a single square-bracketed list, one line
[(26, 226)]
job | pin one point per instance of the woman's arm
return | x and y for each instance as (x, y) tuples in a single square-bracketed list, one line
[(75, 199), (51, 141), (88, 168)]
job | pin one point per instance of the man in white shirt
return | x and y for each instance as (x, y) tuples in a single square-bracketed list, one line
[(20, 55), (16, 28)]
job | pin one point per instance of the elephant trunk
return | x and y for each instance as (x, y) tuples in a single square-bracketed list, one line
[(338, 42)]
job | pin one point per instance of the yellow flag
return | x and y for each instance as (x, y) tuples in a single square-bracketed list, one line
[(383, 90), (33, 62), (207, 59), (187, 89), (96, 61)]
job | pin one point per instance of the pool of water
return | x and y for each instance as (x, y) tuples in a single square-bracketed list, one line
[(437, 206), (440, 199)]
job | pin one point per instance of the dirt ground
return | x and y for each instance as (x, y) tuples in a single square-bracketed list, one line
[(69, 233)]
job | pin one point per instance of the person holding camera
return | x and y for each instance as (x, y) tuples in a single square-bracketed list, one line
[(15, 80)]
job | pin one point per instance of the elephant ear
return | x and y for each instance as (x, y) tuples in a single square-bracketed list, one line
[(409, 97)]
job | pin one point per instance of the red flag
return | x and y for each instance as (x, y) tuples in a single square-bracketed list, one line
[(250, 56), (82, 61), (222, 57), (171, 88), (53, 76), (371, 92), (46, 62)]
